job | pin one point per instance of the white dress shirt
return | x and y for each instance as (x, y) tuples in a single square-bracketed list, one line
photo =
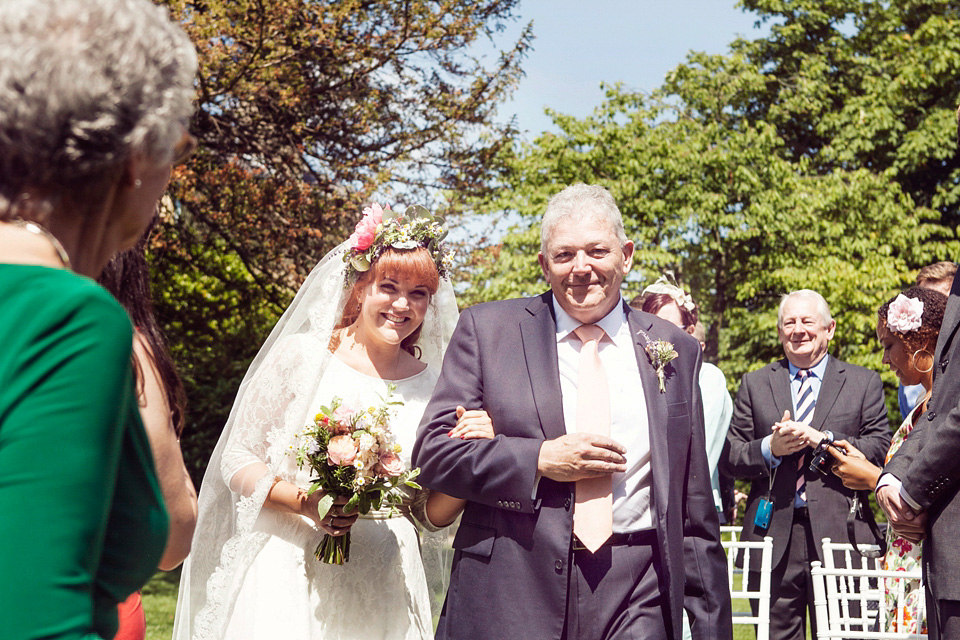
[(628, 410)]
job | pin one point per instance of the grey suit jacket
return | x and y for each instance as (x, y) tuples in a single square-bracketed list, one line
[(928, 461), (850, 405), (511, 564)]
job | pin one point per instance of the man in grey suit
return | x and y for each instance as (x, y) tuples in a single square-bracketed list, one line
[(782, 412), (919, 486), (528, 562)]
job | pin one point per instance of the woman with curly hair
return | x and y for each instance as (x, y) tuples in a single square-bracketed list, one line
[(907, 328)]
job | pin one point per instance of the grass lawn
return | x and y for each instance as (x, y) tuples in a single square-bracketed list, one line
[(160, 603)]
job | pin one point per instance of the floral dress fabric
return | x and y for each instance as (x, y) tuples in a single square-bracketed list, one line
[(903, 555)]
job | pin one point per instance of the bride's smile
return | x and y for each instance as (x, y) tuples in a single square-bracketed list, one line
[(392, 308)]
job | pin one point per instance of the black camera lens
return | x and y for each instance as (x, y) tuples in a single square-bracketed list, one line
[(822, 462)]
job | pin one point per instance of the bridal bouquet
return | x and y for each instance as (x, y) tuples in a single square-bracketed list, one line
[(352, 454)]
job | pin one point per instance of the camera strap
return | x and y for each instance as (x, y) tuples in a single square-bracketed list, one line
[(861, 497)]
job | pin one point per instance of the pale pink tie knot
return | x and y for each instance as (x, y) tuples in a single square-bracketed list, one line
[(589, 333)]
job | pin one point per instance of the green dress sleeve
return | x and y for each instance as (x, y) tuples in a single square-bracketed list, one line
[(68, 423)]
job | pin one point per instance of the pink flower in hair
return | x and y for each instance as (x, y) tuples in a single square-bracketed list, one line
[(366, 230), (905, 314)]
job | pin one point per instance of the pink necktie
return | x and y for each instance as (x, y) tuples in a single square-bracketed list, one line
[(593, 513)]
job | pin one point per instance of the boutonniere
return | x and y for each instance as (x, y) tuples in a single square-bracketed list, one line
[(660, 353)]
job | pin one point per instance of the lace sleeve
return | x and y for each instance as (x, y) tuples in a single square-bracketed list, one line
[(418, 509), (265, 404)]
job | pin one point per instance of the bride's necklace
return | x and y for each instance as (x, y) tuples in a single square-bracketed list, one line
[(37, 230)]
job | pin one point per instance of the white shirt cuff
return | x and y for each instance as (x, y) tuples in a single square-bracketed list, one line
[(772, 460), (888, 479)]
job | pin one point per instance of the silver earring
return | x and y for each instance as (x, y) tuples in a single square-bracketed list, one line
[(137, 184)]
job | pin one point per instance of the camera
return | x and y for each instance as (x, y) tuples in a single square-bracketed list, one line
[(822, 461)]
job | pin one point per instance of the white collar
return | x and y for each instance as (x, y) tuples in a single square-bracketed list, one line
[(610, 323)]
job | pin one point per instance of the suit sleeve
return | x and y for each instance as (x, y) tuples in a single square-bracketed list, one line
[(873, 439), (743, 458), (500, 472), (928, 473), (706, 595)]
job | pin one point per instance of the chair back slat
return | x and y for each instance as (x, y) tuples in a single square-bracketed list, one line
[(737, 578), (850, 602)]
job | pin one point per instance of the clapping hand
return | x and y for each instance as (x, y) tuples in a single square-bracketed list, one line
[(792, 437)]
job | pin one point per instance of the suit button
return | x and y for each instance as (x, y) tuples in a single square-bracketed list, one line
[(558, 565), (499, 503), (944, 363), (566, 503), (931, 415)]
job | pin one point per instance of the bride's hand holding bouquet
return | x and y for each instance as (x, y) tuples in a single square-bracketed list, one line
[(356, 467)]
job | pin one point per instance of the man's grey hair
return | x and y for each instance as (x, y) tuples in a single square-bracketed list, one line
[(579, 201), (83, 85), (823, 309)]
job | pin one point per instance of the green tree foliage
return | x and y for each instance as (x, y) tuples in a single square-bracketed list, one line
[(306, 110), (819, 157)]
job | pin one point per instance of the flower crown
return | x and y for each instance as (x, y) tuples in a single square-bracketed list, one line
[(667, 284), (905, 314), (380, 228)]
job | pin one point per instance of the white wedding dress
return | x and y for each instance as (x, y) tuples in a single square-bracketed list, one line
[(251, 573), (381, 592)]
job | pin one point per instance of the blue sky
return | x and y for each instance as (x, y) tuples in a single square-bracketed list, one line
[(581, 43)]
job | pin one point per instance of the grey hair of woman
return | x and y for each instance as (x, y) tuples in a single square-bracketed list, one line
[(85, 85), (577, 202), (823, 309)]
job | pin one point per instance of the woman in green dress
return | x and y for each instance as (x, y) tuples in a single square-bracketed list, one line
[(94, 97)]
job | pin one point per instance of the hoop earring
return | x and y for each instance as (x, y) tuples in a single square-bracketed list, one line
[(928, 354)]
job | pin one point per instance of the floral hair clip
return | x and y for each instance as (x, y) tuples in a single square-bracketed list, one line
[(905, 314), (668, 284), (381, 227)]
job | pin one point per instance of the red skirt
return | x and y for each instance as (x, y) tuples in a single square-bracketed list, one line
[(133, 624)]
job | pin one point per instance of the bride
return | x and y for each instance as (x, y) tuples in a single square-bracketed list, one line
[(375, 311)]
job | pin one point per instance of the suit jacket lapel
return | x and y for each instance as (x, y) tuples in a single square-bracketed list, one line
[(538, 333), (830, 386), (780, 388), (656, 411)]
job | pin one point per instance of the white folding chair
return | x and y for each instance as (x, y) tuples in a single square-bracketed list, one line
[(730, 539), (848, 558), (840, 555), (834, 589)]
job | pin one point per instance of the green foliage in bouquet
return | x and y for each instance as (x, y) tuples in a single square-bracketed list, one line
[(352, 453)]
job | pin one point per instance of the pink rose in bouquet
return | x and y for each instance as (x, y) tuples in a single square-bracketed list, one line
[(352, 454), (342, 450), (390, 464)]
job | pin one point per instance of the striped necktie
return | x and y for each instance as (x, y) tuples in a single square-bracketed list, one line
[(806, 403)]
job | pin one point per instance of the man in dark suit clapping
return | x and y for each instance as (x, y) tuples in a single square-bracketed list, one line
[(782, 412)]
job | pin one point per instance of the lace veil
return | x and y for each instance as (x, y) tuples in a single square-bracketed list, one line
[(271, 406)]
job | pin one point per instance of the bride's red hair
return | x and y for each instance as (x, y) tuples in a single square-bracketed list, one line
[(400, 264)]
